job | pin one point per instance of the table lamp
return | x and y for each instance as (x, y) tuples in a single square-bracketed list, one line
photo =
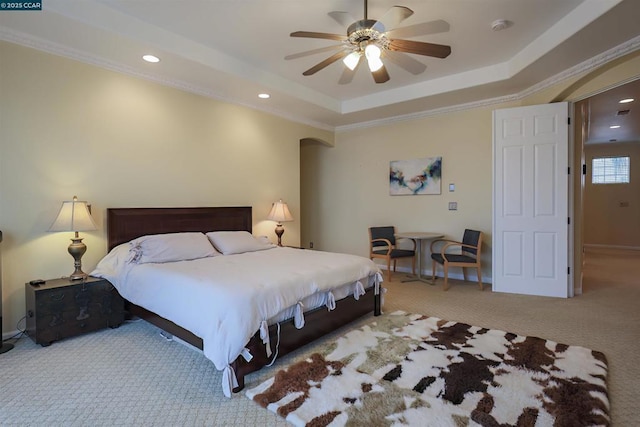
[(75, 216), (280, 213)]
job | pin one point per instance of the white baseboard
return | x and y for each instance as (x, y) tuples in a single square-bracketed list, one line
[(7, 335), (452, 275)]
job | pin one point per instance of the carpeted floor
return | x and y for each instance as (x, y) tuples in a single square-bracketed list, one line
[(133, 376)]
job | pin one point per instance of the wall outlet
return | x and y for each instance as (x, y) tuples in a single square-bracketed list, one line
[(310, 245), (453, 206)]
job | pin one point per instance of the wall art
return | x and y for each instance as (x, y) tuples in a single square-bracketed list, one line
[(417, 176)]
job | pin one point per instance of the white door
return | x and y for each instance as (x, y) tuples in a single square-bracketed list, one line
[(530, 200)]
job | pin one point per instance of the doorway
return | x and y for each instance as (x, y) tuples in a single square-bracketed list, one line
[(608, 225)]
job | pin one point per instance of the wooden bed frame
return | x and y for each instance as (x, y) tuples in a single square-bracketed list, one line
[(125, 224)]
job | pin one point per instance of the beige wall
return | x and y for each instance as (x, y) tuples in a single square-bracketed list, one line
[(351, 184), (345, 188), (605, 221), (68, 129)]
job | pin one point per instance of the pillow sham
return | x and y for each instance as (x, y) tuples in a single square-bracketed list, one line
[(236, 242), (158, 248)]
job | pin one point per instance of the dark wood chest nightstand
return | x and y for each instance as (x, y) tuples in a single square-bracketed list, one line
[(62, 308)]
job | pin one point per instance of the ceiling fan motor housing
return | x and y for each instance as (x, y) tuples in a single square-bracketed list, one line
[(362, 32), (363, 24)]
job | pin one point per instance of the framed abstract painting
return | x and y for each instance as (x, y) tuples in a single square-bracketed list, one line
[(417, 176)]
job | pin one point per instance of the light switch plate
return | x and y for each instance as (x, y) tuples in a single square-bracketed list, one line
[(452, 188)]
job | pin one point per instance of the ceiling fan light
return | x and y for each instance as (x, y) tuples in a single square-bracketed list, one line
[(372, 51), (375, 63), (351, 60)]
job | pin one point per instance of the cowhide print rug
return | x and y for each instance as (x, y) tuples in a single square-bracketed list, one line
[(407, 369)]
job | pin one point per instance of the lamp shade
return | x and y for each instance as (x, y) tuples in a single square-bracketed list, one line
[(351, 60), (372, 52), (280, 212), (73, 216)]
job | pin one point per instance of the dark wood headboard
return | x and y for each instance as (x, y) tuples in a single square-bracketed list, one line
[(124, 224)]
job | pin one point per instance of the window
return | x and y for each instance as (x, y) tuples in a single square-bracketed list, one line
[(610, 170)]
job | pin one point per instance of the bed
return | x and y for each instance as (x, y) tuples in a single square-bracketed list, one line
[(283, 336)]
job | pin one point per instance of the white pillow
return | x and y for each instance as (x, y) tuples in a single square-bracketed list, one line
[(113, 262), (236, 242), (170, 247)]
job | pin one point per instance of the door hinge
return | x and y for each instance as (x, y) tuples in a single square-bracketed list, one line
[(568, 120), (568, 270), (569, 220), (569, 170), (584, 169)]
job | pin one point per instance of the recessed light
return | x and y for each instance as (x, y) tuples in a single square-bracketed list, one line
[(614, 126), (626, 100), (151, 58), (264, 95)]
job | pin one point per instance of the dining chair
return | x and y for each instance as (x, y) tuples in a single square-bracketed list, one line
[(382, 244), (450, 253)]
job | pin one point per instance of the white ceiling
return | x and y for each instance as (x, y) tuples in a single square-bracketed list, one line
[(604, 110), (234, 49)]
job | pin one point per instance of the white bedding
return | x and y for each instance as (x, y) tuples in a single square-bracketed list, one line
[(225, 299)]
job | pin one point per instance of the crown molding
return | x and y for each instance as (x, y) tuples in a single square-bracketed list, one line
[(429, 113), (584, 67)]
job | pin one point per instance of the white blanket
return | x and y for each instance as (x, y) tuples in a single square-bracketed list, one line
[(225, 299)]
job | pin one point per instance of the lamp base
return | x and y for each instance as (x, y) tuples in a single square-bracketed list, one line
[(78, 275), (279, 233), (77, 249)]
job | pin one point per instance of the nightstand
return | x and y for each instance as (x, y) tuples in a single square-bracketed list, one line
[(63, 308)]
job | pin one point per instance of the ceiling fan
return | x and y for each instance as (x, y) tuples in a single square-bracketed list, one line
[(376, 40)]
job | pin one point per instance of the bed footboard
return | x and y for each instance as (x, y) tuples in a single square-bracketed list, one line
[(318, 322)]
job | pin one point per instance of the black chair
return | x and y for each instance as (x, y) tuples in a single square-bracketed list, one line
[(466, 254), (382, 244)]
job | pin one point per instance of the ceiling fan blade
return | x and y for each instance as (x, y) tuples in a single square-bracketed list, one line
[(406, 62), (347, 74), (330, 60), (314, 51), (381, 75), (392, 18), (314, 35), (420, 48), (423, 29), (343, 18)]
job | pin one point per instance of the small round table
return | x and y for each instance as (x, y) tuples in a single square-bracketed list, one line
[(418, 237)]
